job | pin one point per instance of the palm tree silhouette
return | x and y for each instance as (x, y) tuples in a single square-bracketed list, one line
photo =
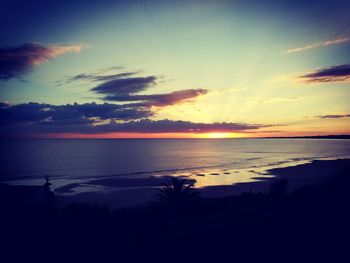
[(177, 191)]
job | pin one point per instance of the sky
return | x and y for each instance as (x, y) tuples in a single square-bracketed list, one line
[(174, 69)]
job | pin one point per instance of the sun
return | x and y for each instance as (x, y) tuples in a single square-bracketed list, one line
[(220, 135)]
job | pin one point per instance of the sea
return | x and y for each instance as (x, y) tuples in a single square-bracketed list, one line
[(208, 162)]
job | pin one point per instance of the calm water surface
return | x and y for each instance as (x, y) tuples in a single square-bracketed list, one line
[(209, 161)]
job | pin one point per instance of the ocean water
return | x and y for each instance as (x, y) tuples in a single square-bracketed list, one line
[(219, 159)]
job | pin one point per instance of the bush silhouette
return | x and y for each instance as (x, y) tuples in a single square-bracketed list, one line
[(177, 192)]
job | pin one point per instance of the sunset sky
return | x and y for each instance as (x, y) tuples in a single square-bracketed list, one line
[(174, 69)]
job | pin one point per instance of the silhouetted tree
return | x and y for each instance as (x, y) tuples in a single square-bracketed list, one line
[(177, 192)]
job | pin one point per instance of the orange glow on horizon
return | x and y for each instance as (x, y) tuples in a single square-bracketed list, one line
[(210, 135), (134, 135), (220, 135)]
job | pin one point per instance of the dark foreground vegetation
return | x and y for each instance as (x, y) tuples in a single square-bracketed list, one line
[(304, 226)]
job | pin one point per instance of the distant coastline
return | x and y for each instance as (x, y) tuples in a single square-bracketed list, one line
[(170, 138), (310, 137)]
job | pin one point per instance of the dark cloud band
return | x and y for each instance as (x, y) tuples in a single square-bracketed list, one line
[(330, 74), (160, 100), (17, 61), (123, 86), (92, 118), (70, 113), (333, 116), (170, 126)]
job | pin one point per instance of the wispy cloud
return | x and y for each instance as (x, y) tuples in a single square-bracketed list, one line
[(94, 77), (320, 44), (333, 116), (329, 74), (100, 75), (273, 100), (122, 85), (17, 61), (160, 100)]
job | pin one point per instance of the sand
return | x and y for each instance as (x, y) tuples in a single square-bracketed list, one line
[(128, 192)]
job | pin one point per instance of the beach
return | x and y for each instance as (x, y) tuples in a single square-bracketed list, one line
[(312, 220), (119, 192)]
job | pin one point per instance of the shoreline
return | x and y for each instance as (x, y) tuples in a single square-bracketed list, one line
[(299, 175), (131, 192)]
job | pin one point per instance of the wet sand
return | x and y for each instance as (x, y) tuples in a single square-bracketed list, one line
[(121, 192), (127, 192), (311, 173)]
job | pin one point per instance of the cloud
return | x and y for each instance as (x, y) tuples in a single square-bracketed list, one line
[(97, 76), (88, 113), (91, 118), (330, 74), (333, 116), (166, 126), (160, 100), (17, 61), (124, 86), (320, 44), (273, 100)]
